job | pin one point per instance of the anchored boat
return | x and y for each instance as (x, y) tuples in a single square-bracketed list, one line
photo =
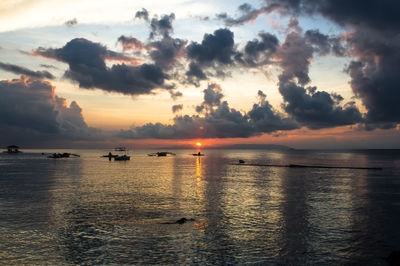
[(161, 154), (122, 157)]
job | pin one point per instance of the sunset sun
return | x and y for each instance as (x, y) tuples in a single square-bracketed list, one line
[(198, 144)]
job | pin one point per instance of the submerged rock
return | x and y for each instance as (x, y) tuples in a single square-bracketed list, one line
[(180, 221), (183, 220)]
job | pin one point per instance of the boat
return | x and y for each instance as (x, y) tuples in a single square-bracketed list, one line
[(56, 156), (161, 154), (122, 158), (198, 154), (62, 155), (12, 149)]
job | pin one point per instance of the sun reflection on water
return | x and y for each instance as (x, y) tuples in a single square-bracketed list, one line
[(198, 176), (198, 167)]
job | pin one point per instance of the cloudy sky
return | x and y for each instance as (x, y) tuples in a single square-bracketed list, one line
[(303, 73)]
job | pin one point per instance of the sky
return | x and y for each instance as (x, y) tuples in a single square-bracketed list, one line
[(302, 73)]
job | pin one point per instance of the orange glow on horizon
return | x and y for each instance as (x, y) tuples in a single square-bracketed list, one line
[(198, 144)]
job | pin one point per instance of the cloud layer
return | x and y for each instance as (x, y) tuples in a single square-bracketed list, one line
[(373, 43), (215, 119), (87, 66), (24, 71), (31, 111), (164, 62)]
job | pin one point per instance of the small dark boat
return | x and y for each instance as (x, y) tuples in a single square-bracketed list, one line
[(122, 158), (62, 155), (198, 154), (55, 156), (161, 154), (12, 149)]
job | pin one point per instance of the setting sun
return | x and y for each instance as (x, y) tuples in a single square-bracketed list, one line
[(198, 144)]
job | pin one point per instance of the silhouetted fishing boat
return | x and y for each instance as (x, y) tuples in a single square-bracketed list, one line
[(122, 158), (161, 154), (12, 149), (198, 154), (62, 155)]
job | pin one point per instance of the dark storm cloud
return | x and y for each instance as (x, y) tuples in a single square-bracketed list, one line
[(374, 43), (375, 74), (376, 81), (36, 98), (83, 51), (337, 46), (162, 26), (72, 22), (266, 119), (321, 41), (217, 120), (212, 56), (324, 44), (166, 51), (130, 43), (71, 122), (177, 108), (196, 72), (215, 48), (258, 52), (370, 13), (27, 72), (29, 110), (87, 66), (295, 55), (213, 95), (315, 109)]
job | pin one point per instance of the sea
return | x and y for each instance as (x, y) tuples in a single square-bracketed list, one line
[(88, 210)]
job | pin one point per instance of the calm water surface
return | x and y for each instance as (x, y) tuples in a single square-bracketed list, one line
[(88, 210)]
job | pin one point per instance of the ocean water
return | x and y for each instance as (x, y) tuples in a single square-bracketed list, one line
[(89, 210)]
